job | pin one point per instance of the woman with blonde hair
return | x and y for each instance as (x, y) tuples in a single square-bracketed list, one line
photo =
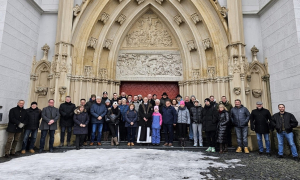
[(222, 128)]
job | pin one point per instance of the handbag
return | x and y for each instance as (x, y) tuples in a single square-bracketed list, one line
[(110, 118)]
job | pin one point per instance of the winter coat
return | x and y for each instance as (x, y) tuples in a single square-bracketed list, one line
[(34, 117), (156, 120), (226, 104), (117, 115), (240, 116), (131, 116), (189, 104), (49, 113), (290, 122), (96, 111), (124, 109), (136, 105), (80, 118), (88, 106), (209, 118), (163, 101), (196, 112), (183, 115), (145, 112), (104, 99), (224, 120), (260, 120), (113, 100), (16, 116), (66, 111), (169, 115)]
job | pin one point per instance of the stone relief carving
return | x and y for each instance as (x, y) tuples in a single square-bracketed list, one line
[(45, 48), (178, 20), (149, 65), (52, 90), (63, 64), (103, 74), (191, 45), (149, 31), (121, 19), (159, 1), (237, 90), (248, 78), (104, 17), (88, 71), (195, 18), (77, 10), (107, 44), (206, 43), (255, 70), (62, 90), (224, 11), (41, 91), (236, 65), (92, 42), (254, 51), (211, 72), (256, 93), (139, 1), (196, 74), (247, 90)]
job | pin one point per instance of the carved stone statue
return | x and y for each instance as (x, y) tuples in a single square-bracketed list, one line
[(77, 10), (247, 90), (211, 72), (237, 90), (178, 20), (88, 71), (104, 17), (256, 93), (45, 48), (206, 44), (107, 44), (62, 90), (254, 51), (195, 18), (191, 45), (121, 19), (92, 42), (41, 91)]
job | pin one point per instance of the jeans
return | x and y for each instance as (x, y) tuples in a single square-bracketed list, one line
[(131, 134), (94, 128), (169, 132), (33, 133), (62, 134), (191, 134), (211, 138), (290, 139), (260, 143), (12, 141), (242, 136), (43, 137), (155, 136), (197, 130)]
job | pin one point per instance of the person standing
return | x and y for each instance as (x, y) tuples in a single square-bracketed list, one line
[(50, 116), (222, 128), (145, 122), (192, 104), (175, 104), (88, 109), (114, 99), (131, 118), (150, 100), (164, 99), (260, 121), (104, 98), (18, 117), (136, 103), (213, 101), (228, 106), (169, 116), (209, 119), (140, 98), (123, 131), (196, 112), (31, 128), (114, 114), (183, 120), (98, 112), (178, 98), (123, 96), (284, 122), (66, 111), (81, 121), (156, 124), (129, 99), (105, 124), (240, 118)]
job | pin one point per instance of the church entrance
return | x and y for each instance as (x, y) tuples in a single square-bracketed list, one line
[(148, 87)]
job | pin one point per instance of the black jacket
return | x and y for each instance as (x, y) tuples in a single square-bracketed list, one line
[(222, 127), (209, 118), (104, 99), (147, 113), (117, 114), (16, 116), (290, 122), (196, 113), (66, 111), (260, 120), (163, 101), (88, 106), (189, 104), (34, 117)]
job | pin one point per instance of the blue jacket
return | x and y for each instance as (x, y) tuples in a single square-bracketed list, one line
[(169, 115), (156, 120), (96, 111), (131, 116), (240, 116), (124, 109)]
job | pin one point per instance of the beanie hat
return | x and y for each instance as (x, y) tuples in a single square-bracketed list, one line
[(34, 103), (193, 96), (115, 103), (93, 95), (156, 107), (207, 99), (182, 103), (105, 92), (196, 101), (107, 101)]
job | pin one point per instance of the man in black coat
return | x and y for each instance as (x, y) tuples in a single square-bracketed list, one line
[(284, 123), (104, 98), (115, 98), (18, 117), (88, 109), (260, 119), (66, 111), (34, 117)]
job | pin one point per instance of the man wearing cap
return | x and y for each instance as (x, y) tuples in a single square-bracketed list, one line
[(98, 112), (260, 119), (164, 99), (104, 98)]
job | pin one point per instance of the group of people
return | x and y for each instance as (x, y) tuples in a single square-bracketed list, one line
[(143, 119)]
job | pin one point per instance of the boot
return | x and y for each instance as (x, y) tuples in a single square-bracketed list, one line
[(116, 141), (239, 150), (183, 142), (129, 144), (23, 151), (208, 149), (31, 151), (213, 149), (68, 144), (112, 141), (179, 142), (225, 148), (246, 150), (61, 144), (106, 136), (221, 149)]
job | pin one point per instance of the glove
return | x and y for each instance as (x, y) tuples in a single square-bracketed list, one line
[(21, 125)]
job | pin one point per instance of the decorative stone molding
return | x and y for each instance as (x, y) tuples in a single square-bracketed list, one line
[(33, 77), (237, 90), (248, 78), (266, 78), (178, 20), (50, 76), (195, 18), (140, 1), (121, 19), (206, 43), (256, 93), (247, 90), (63, 64), (191, 45), (223, 11), (62, 90), (104, 17), (41, 91), (77, 10), (211, 72), (196, 74), (45, 48), (52, 90), (107, 44), (103, 74), (254, 51), (255, 70), (159, 1), (92, 42), (88, 71)]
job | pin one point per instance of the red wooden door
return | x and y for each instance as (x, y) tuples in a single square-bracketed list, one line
[(145, 88)]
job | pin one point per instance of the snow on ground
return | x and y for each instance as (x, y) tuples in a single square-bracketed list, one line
[(112, 164)]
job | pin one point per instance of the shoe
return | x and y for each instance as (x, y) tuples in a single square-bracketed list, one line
[(14, 154), (116, 141), (131, 144), (157, 144), (7, 156), (153, 144), (279, 156), (195, 144), (31, 151), (51, 150), (225, 148), (239, 150), (221, 151), (213, 149), (170, 144), (92, 144), (68, 144), (99, 144), (201, 144), (260, 153), (269, 154), (112, 142), (208, 149), (183, 141), (85, 143), (23, 151), (41, 150), (128, 144), (296, 159), (77, 148), (246, 150), (166, 144), (61, 145)]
